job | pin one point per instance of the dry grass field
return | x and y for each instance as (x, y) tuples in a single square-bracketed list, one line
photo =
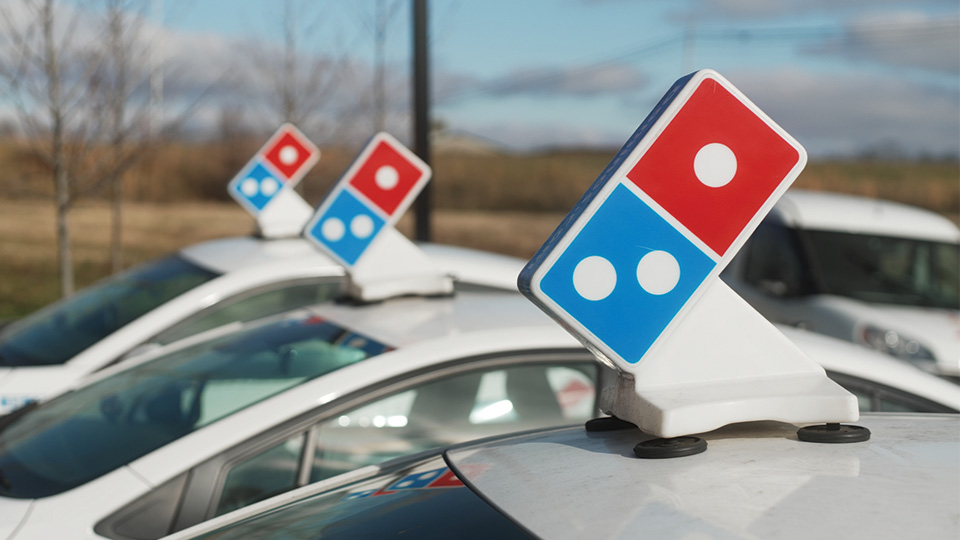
[(28, 249), (499, 202)]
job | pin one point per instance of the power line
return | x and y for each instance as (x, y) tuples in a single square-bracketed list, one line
[(881, 32)]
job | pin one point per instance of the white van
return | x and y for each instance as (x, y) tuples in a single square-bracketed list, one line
[(878, 273)]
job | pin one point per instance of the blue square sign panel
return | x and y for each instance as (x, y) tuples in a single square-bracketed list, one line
[(626, 287), (255, 187), (346, 227)]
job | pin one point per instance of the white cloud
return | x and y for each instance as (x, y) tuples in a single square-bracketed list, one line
[(738, 10), (831, 115), (573, 81), (845, 114), (905, 39), (525, 136)]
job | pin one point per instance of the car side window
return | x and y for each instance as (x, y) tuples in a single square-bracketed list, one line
[(253, 306), (876, 397), (150, 516), (464, 401), (775, 262), (269, 472), (454, 409)]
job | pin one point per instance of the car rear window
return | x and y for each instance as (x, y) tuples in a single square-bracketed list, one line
[(888, 270), (425, 501), (56, 334), (86, 433)]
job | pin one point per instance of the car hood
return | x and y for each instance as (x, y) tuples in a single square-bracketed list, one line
[(936, 329), (13, 514)]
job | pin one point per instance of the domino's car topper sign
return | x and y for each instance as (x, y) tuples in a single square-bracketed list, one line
[(632, 271), (355, 223), (264, 187)]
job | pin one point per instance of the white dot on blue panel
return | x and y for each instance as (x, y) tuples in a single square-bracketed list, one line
[(269, 186), (594, 278), (250, 187), (361, 226), (332, 229), (430, 475), (658, 272)]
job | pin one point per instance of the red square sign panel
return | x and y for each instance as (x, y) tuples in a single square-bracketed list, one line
[(387, 177), (291, 154), (714, 166)]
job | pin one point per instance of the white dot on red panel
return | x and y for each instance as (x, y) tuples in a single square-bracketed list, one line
[(289, 155), (594, 278), (250, 187), (333, 229), (269, 186), (361, 226), (715, 165), (386, 177), (658, 272)]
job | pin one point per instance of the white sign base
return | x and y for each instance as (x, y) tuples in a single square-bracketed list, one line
[(285, 216), (394, 266), (725, 363)]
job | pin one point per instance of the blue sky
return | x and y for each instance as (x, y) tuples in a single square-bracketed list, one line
[(844, 77)]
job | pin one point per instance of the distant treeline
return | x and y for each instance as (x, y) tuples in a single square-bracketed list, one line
[(545, 181)]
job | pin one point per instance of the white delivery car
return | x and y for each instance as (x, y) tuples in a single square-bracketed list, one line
[(218, 421), (877, 273), (198, 288), (755, 481)]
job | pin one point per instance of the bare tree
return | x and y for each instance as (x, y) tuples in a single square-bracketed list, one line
[(383, 15), (120, 95), (295, 84), (46, 69), (380, 95)]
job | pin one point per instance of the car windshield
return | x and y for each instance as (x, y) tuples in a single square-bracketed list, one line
[(88, 432), (888, 270), (425, 501), (56, 334)]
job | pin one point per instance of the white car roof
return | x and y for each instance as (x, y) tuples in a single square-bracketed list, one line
[(464, 264), (404, 321), (816, 210), (755, 480), (225, 255)]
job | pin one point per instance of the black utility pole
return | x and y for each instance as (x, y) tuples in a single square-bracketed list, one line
[(421, 112)]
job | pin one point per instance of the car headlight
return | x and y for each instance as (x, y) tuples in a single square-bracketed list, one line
[(894, 344)]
